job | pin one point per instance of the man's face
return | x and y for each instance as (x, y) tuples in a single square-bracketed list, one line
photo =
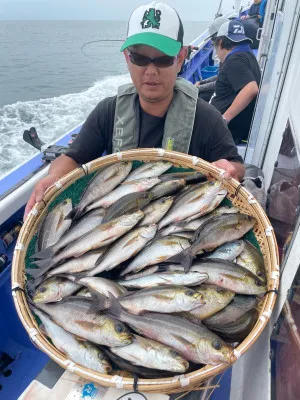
[(221, 53), (154, 84)]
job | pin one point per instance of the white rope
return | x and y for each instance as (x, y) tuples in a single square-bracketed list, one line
[(71, 366), (32, 333), (222, 173), (19, 246), (195, 160), (118, 380), (237, 353), (15, 285), (161, 152), (263, 319), (33, 211), (251, 199), (275, 275), (119, 155), (267, 313), (184, 381), (85, 168), (58, 184), (269, 230)]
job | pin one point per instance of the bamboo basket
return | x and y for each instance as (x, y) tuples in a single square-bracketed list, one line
[(239, 197)]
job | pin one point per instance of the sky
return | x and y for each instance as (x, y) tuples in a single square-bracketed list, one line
[(189, 10)]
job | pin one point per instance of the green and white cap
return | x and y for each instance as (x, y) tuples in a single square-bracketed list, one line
[(157, 25)]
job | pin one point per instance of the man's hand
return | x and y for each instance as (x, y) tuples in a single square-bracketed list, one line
[(38, 192), (232, 169)]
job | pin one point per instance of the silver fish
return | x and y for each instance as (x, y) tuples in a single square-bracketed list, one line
[(157, 252), (73, 314), (251, 259), (100, 285), (54, 289), (215, 298), (194, 202), (192, 177), (128, 203), (228, 251), (167, 188), (83, 353), (194, 342), (232, 312), (149, 170), (127, 247), (214, 233), (169, 299), (144, 272), (125, 188), (166, 278), (102, 183), (54, 225), (98, 237), (151, 354), (155, 211), (85, 262)]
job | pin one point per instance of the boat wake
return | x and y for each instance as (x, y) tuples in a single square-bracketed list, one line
[(51, 117)]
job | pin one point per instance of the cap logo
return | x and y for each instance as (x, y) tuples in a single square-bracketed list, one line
[(238, 29), (151, 19)]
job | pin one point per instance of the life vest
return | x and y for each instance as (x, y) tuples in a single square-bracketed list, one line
[(179, 122)]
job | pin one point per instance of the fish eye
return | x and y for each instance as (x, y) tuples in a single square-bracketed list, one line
[(216, 345), (259, 273), (42, 290), (174, 353), (101, 356), (190, 292), (220, 290), (120, 328), (258, 282)]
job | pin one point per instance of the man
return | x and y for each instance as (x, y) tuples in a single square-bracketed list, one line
[(238, 79), (157, 110)]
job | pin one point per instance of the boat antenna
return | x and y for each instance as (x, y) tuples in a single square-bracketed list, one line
[(96, 41), (219, 12)]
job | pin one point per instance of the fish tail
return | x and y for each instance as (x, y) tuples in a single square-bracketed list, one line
[(43, 267), (45, 253), (184, 258)]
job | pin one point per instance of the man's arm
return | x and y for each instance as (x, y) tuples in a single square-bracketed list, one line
[(245, 96), (58, 168)]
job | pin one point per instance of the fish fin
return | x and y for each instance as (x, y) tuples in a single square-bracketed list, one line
[(182, 340), (99, 302), (115, 308), (80, 338), (45, 253), (37, 272), (71, 214), (184, 258)]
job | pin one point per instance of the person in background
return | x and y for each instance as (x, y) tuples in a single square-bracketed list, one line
[(156, 110), (237, 84), (251, 23), (253, 10)]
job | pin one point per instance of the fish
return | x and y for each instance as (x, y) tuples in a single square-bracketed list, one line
[(186, 235), (155, 211), (228, 251), (54, 225), (73, 314), (252, 259), (102, 183), (83, 263), (164, 278), (238, 307), (84, 292), (194, 342), (54, 289), (125, 188), (194, 202), (167, 188), (215, 298), (156, 252), (125, 248), (100, 285), (149, 170), (215, 213), (151, 354), (238, 330), (169, 299), (144, 272), (228, 275), (190, 177), (125, 365), (98, 237), (215, 232), (83, 353), (128, 203)]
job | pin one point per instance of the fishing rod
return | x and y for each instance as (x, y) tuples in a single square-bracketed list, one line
[(96, 41)]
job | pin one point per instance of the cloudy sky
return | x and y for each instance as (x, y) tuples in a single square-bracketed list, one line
[(189, 10)]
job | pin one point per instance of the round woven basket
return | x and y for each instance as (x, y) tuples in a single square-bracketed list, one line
[(239, 197)]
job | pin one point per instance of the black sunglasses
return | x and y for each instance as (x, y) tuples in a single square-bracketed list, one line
[(143, 61)]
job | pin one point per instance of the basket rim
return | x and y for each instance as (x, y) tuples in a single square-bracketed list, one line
[(151, 385)]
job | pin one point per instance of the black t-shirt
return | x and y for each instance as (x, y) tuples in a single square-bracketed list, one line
[(237, 71), (211, 139)]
